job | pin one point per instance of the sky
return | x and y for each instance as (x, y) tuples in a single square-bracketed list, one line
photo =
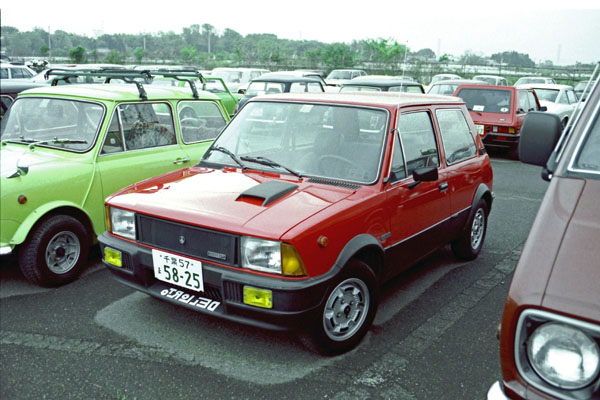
[(564, 32)]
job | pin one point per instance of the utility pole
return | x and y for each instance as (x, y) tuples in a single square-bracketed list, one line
[(49, 45)]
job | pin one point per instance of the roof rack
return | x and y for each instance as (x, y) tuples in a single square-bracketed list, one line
[(127, 75), (185, 75)]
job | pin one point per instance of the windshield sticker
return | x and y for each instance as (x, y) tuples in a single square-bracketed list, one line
[(306, 108), (504, 109), (190, 299), (478, 108)]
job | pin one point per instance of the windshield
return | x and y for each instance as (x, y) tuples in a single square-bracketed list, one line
[(487, 79), (328, 141), (443, 88), (340, 75), (547, 94), (360, 89), (257, 88), (486, 100), (228, 76), (66, 124)]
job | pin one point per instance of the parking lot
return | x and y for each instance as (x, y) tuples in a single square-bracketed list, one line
[(433, 336)]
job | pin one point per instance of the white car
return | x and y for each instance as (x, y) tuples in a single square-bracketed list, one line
[(492, 79), (12, 71), (559, 99), (339, 76), (526, 80), (237, 78)]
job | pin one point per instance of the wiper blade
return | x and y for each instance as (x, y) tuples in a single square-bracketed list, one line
[(270, 163), (56, 141), (230, 154)]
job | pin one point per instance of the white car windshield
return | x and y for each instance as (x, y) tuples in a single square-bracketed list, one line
[(547, 94), (65, 124), (318, 140)]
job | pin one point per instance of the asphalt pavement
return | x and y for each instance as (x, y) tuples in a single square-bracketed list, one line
[(433, 336)]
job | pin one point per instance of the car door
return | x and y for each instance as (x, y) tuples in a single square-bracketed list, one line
[(417, 211), (140, 143), (200, 122), (463, 166)]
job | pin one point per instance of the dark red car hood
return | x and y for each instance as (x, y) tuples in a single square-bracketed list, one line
[(226, 200)]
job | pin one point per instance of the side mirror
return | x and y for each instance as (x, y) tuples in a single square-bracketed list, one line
[(543, 108), (425, 174), (242, 91), (539, 134)]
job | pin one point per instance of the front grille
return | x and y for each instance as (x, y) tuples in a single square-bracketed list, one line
[(188, 240), (232, 291)]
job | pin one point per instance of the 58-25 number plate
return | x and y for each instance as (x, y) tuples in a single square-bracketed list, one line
[(180, 271)]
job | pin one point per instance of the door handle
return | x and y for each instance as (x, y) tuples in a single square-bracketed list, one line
[(443, 186), (181, 160)]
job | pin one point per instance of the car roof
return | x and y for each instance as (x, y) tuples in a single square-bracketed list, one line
[(380, 81), (117, 92), (486, 86), (283, 77), (376, 99), (552, 86), (460, 82)]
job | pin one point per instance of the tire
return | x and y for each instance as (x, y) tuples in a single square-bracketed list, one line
[(55, 251), (347, 312), (469, 244)]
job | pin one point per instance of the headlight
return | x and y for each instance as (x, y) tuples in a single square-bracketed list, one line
[(271, 256), (563, 356), (122, 222)]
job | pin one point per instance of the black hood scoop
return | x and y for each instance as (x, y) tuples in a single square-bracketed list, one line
[(268, 191)]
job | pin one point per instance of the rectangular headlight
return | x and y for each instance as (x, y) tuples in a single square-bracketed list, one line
[(122, 222), (261, 255)]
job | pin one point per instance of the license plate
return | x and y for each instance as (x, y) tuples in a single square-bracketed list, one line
[(180, 271), (480, 129)]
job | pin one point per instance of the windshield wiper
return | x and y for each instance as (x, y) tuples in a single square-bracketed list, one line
[(230, 154), (55, 141), (271, 163)]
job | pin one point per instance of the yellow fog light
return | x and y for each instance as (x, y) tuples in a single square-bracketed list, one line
[(258, 297), (291, 263), (511, 130), (113, 257)]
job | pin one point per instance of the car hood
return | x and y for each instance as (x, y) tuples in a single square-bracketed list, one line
[(229, 200), (573, 282), (13, 157)]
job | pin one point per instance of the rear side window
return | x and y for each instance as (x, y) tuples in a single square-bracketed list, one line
[(418, 141), (200, 120), (456, 136)]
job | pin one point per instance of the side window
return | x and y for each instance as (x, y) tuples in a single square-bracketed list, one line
[(532, 103), (523, 102), (146, 125), (4, 73), (314, 87), (418, 140), (398, 168), (200, 120), (456, 136), (298, 87), (113, 143), (571, 96)]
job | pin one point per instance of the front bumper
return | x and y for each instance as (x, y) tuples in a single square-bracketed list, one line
[(294, 300)]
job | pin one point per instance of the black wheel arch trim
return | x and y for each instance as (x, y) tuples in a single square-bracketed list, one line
[(354, 247), (482, 192)]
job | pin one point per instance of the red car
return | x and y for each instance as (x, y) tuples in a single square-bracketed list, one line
[(302, 207), (550, 331), (498, 112)]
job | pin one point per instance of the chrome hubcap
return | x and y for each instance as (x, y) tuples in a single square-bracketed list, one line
[(62, 252), (346, 309), (477, 228)]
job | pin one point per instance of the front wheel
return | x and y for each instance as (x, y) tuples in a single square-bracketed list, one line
[(348, 310), (55, 252), (469, 243)]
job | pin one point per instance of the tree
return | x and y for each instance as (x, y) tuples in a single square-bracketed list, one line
[(425, 54), (188, 54), (44, 50), (77, 55), (208, 30), (114, 57), (339, 55), (470, 58), (513, 58), (138, 53)]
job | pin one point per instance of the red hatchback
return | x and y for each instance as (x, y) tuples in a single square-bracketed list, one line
[(498, 112), (302, 207)]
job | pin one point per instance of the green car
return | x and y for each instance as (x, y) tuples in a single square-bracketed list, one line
[(64, 149), (210, 84)]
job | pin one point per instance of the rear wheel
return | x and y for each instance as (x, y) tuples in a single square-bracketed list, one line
[(55, 252), (348, 310), (469, 243)]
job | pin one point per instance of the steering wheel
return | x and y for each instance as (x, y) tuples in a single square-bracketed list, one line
[(337, 166)]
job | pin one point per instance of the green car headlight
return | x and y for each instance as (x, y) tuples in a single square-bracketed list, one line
[(122, 222), (563, 356)]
